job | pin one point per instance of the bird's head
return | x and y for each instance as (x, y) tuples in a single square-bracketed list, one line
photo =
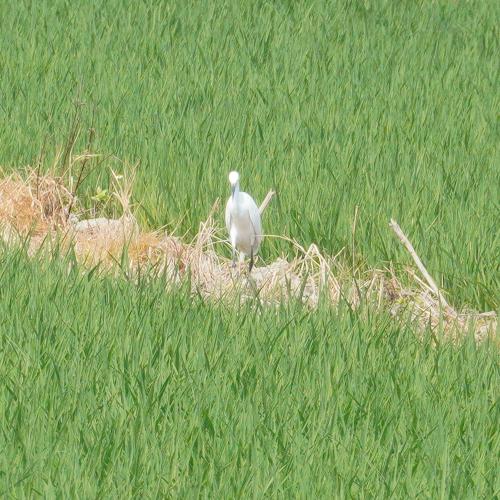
[(234, 179)]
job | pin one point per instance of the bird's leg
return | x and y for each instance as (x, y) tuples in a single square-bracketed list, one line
[(251, 261), (233, 265)]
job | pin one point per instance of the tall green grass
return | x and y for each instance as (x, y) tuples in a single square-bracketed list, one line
[(388, 106), (117, 390)]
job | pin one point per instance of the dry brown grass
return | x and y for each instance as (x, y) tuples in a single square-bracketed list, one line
[(38, 206), (33, 204)]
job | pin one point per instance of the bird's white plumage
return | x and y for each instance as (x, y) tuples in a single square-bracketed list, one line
[(243, 223), (243, 220)]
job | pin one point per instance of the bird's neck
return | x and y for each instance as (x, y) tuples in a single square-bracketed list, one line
[(236, 192)]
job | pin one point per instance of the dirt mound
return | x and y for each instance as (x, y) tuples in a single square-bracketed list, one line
[(44, 209)]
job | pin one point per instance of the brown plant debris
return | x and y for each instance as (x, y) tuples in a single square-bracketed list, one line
[(39, 207)]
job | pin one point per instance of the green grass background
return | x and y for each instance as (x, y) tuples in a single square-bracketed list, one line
[(390, 106), (117, 391)]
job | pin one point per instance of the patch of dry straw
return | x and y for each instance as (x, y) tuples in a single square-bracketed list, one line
[(38, 207)]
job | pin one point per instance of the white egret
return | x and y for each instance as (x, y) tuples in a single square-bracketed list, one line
[(243, 222)]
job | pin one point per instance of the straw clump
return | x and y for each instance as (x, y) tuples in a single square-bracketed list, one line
[(33, 205), (44, 209)]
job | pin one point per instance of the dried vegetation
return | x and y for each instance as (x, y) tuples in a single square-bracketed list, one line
[(42, 211)]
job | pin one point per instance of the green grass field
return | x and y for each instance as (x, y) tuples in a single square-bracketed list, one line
[(111, 389)]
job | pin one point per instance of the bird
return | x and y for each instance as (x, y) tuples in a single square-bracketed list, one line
[(243, 222)]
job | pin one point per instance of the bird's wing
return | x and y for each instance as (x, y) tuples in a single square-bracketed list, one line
[(255, 220), (228, 215)]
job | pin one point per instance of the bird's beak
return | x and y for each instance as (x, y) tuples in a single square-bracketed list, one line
[(233, 188)]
